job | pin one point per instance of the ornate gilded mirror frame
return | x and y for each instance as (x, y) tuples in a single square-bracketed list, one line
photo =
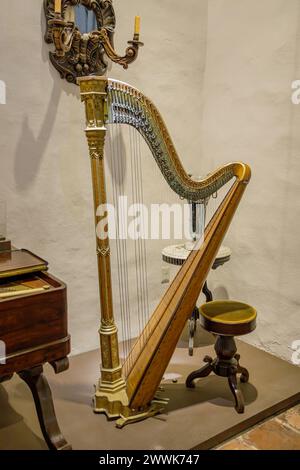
[(80, 54)]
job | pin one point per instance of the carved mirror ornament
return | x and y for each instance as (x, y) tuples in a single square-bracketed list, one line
[(79, 54)]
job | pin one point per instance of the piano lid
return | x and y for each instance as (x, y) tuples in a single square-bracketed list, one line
[(17, 262)]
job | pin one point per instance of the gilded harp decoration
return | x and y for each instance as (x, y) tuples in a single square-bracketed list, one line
[(128, 391), (82, 32)]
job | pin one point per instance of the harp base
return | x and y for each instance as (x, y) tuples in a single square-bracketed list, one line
[(123, 413)]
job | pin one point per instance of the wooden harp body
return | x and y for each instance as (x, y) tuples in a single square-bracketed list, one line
[(127, 391)]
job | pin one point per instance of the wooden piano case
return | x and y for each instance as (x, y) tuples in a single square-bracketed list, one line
[(34, 330)]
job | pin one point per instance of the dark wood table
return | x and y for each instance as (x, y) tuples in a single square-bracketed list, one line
[(33, 332)]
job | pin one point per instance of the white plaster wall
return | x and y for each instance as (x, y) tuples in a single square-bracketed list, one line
[(220, 72)]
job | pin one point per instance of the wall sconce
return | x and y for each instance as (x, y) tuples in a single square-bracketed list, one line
[(78, 54)]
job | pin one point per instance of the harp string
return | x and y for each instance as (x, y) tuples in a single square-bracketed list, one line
[(117, 160), (113, 156), (124, 265), (156, 322), (143, 242), (141, 247), (140, 255), (139, 242), (126, 291), (137, 199), (117, 166), (136, 243), (207, 212), (137, 277), (123, 247)]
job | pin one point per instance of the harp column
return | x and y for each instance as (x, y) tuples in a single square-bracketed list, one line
[(112, 386)]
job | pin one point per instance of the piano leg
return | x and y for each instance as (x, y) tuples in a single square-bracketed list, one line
[(42, 395)]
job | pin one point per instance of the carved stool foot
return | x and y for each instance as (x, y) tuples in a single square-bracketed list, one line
[(42, 396), (197, 374), (244, 374), (225, 365)]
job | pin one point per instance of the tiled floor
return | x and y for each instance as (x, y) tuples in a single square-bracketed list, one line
[(279, 433)]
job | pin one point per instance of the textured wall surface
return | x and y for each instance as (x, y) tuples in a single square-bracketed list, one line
[(220, 72)]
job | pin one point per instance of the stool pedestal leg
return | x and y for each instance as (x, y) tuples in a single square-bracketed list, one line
[(192, 329), (226, 364), (238, 396)]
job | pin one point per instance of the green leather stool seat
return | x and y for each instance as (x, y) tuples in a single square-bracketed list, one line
[(228, 317)]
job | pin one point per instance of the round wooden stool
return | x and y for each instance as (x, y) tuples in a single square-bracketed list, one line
[(226, 319)]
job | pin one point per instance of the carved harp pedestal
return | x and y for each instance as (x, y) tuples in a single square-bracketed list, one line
[(128, 391)]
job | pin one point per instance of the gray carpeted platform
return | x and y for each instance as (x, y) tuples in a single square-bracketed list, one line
[(199, 418)]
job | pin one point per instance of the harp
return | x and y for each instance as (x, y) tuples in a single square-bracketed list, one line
[(127, 392)]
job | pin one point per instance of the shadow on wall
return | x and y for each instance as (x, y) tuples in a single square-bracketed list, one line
[(221, 293), (26, 170)]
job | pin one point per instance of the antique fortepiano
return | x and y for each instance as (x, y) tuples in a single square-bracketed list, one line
[(33, 330)]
